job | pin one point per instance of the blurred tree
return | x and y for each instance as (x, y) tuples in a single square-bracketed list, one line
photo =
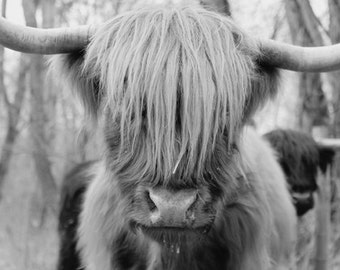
[(87, 11), (39, 118), (334, 33), (221, 6), (304, 29), (50, 97), (13, 109), (307, 30)]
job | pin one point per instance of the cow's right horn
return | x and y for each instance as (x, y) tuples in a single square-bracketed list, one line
[(43, 41)]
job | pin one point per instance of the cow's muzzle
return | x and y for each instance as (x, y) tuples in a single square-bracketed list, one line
[(175, 215)]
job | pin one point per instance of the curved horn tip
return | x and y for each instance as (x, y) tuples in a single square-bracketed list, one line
[(298, 58)]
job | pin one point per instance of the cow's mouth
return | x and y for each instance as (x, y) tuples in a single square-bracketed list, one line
[(302, 196), (172, 237)]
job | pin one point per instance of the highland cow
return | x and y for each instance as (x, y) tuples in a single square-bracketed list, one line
[(300, 157), (182, 184)]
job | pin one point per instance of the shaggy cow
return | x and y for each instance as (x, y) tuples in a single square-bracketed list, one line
[(182, 183), (298, 154), (300, 157)]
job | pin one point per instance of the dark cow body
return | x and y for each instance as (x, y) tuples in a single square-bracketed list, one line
[(72, 196), (300, 157)]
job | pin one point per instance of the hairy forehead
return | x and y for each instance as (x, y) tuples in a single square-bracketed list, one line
[(183, 74)]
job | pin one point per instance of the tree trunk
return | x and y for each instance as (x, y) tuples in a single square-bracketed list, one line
[(39, 119), (3, 162), (14, 110), (221, 6), (313, 109), (323, 211), (304, 31), (334, 26), (2, 54), (50, 97)]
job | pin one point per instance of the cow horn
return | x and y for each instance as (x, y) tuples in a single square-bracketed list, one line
[(65, 40), (43, 41), (296, 58)]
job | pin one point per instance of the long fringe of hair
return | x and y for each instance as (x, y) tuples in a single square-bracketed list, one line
[(180, 75), (173, 79)]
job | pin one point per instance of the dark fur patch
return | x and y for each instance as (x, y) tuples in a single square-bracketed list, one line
[(298, 155), (72, 194), (326, 157), (125, 254)]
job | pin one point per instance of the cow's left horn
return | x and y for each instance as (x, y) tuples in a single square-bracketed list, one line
[(43, 41), (309, 59)]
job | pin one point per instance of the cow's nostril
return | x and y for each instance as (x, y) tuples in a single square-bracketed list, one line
[(194, 200), (149, 201), (172, 208)]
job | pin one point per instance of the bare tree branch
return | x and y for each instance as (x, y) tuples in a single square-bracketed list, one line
[(334, 33), (221, 6), (38, 119), (14, 110), (116, 6), (278, 22), (310, 22), (3, 8), (334, 20), (2, 55), (322, 26), (323, 210)]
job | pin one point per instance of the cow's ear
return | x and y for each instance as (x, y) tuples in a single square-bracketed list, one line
[(69, 69), (264, 85), (326, 157), (264, 79)]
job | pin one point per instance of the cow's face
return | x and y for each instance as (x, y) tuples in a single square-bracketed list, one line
[(302, 183), (175, 87), (300, 158), (179, 208)]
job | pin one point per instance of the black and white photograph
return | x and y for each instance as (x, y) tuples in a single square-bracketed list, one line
[(170, 135)]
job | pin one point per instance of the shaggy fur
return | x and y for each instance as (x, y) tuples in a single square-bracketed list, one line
[(175, 86), (72, 195), (300, 157), (254, 229)]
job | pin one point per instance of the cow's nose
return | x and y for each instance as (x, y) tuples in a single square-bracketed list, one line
[(172, 209)]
